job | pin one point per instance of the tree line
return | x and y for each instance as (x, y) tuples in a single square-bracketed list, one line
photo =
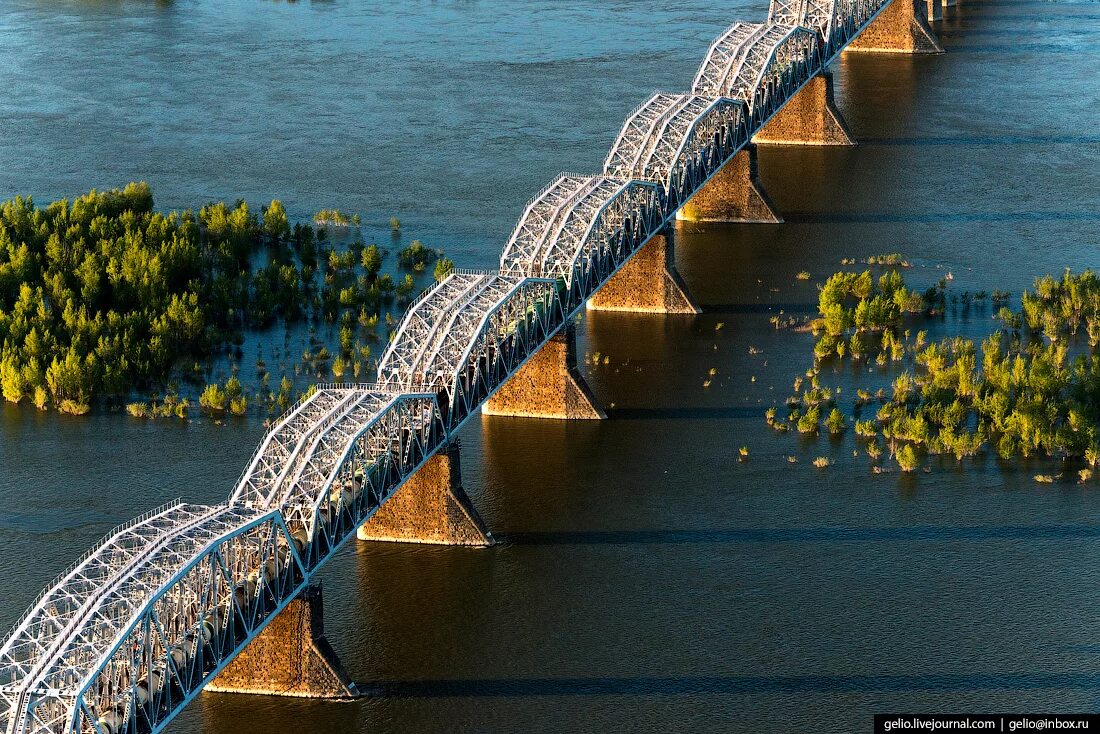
[(1030, 389), (103, 296)]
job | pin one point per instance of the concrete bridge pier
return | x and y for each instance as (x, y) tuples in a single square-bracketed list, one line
[(646, 283), (809, 118), (898, 29), (935, 9), (548, 385), (733, 194), (290, 657), (430, 507)]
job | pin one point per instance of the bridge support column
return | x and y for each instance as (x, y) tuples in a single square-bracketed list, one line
[(809, 118), (898, 29), (647, 283), (430, 507), (935, 9), (548, 385), (290, 657), (733, 194)]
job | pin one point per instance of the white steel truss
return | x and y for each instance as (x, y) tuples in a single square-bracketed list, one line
[(817, 15), (591, 218), (724, 56), (775, 67), (678, 141)]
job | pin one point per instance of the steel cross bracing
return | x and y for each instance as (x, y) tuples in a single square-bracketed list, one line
[(775, 68), (817, 15), (281, 443), (724, 55), (768, 69), (424, 327), (572, 220), (678, 141), (540, 221), (130, 633)]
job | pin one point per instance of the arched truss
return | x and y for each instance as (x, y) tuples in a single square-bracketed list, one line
[(425, 326), (134, 629), (774, 68), (541, 218), (477, 334), (53, 617), (282, 443), (172, 596), (678, 141), (573, 236), (490, 340), (724, 56), (164, 624), (816, 15), (357, 465)]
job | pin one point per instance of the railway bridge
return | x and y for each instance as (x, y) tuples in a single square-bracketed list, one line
[(187, 597)]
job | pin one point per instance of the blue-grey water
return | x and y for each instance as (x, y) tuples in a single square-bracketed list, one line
[(647, 580)]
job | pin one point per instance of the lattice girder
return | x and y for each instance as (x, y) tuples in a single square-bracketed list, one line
[(138, 657), (499, 341), (132, 631), (420, 326), (587, 222), (51, 620), (724, 56), (818, 15), (368, 467), (540, 220), (280, 443), (631, 148), (692, 135), (788, 64)]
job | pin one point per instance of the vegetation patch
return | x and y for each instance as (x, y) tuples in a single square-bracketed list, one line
[(103, 297), (1032, 389)]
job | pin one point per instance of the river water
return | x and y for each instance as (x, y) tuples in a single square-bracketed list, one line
[(646, 579)]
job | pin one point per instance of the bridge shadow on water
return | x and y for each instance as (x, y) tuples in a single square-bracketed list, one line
[(728, 685), (803, 535)]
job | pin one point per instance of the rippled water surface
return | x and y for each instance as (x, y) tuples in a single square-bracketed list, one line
[(646, 579)]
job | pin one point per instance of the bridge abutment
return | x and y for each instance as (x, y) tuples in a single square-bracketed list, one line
[(809, 118), (430, 507), (647, 283), (899, 29), (290, 657), (548, 385), (733, 194)]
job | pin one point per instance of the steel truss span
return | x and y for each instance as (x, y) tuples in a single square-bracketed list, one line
[(131, 632)]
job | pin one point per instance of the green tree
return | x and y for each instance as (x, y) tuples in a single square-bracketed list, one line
[(276, 225), (907, 457), (444, 266)]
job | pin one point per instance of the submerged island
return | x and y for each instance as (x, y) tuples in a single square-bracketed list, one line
[(1031, 388), (103, 297)]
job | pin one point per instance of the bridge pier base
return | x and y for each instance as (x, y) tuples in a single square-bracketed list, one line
[(809, 118), (647, 283), (733, 194), (898, 29), (290, 657), (430, 507), (548, 385)]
